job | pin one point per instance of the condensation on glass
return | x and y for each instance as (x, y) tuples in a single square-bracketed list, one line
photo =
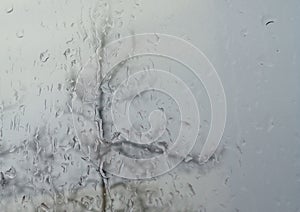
[(56, 124)]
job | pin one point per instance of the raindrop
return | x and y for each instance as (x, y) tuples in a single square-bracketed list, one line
[(271, 126), (11, 173), (43, 207), (44, 56), (20, 34), (10, 9), (267, 20), (270, 22), (188, 159), (244, 33)]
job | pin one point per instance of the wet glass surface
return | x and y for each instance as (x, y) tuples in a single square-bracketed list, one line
[(120, 105)]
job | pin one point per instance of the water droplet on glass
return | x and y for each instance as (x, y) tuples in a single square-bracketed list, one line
[(244, 32), (20, 34), (11, 173), (10, 9), (44, 56), (267, 20)]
